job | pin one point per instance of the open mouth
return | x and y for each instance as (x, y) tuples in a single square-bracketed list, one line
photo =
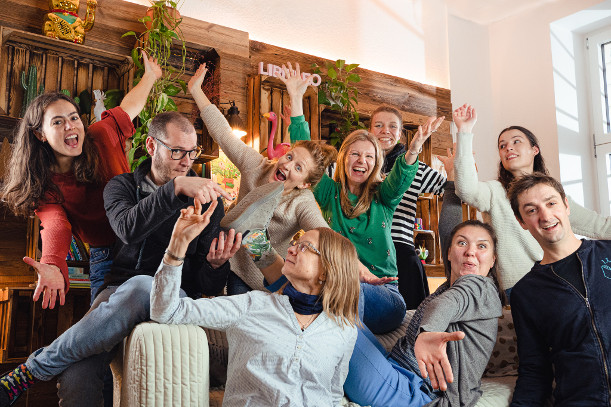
[(511, 157), (550, 227), (280, 176), (359, 170), (72, 140)]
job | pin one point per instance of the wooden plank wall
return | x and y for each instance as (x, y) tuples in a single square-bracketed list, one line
[(415, 100)]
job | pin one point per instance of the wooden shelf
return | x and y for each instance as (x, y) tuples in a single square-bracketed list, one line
[(62, 48)]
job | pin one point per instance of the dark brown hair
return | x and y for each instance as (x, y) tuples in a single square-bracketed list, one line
[(523, 184), (493, 271), (505, 177), (29, 169)]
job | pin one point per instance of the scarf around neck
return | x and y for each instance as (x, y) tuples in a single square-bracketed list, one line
[(304, 304)]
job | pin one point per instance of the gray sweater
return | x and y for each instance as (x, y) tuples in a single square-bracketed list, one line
[(272, 362), (471, 305)]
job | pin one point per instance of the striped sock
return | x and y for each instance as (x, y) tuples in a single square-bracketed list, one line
[(17, 381)]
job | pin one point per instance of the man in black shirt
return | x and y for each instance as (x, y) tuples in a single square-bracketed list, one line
[(562, 307)]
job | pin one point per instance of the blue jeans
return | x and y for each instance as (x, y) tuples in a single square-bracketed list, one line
[(100, 261), (381, 307), (82, 353), (235, 285), (374, 379)]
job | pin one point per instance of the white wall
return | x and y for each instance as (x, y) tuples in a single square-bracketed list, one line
[(404, 38)]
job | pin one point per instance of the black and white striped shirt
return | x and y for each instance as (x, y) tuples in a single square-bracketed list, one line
[(426, 180)]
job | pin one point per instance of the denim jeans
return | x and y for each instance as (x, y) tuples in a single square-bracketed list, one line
[(381, 307), (374, 379), (235, 285), (100, 261), (81, 354)]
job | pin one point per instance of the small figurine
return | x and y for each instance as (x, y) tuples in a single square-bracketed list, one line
[(63, 22), (99, 107), (279, 150), (422, 253)]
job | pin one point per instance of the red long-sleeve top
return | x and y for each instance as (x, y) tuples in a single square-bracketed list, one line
[(82, 211)]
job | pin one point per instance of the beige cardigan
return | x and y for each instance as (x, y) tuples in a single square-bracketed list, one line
[(297, 209)]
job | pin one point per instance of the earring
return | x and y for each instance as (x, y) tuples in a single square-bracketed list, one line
[(320, 282)]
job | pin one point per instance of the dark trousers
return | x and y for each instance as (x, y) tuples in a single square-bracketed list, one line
[(413, 285)]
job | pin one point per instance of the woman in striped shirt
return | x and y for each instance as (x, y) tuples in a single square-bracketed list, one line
[(386, 125)]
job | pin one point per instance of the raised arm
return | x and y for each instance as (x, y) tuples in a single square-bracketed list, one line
[(588, 223), (243, 156), (296, 88), (423, 133), (468, 187), (134, 101)]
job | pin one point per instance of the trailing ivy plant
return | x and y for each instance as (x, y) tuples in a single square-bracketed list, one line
[(162, 31), (337, 91)]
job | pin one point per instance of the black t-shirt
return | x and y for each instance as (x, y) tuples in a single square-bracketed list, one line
[(570, 269)]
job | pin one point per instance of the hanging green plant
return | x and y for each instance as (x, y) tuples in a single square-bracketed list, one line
[(337, 91), (162, 40)]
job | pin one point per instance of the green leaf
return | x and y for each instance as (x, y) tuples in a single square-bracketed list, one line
[(113, 98), (136, 58), (340, 63), (170, 105), (132, 33), (162, 101), (183, 85), (353, 78), (85, 102), (66, 92), (351, 67), (172, 90)]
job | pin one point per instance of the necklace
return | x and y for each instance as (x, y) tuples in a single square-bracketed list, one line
[(307, 323)]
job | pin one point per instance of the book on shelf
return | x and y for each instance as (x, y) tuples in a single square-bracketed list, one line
[(77, 277)]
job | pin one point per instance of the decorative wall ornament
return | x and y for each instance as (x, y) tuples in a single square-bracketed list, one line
[(63, 22)]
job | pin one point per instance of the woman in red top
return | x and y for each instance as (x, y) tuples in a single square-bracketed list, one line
[(59, 169)]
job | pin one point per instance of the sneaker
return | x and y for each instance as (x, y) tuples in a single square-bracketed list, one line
[(255, 211)]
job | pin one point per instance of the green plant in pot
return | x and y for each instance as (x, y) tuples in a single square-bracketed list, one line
[(337, 91), (162, 40)]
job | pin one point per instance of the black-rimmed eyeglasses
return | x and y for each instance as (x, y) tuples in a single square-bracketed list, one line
[(179, 154)]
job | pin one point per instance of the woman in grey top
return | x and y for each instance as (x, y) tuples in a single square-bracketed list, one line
[(458, 320), (288, 349)]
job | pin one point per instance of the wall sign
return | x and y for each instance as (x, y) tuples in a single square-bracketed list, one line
[(275, 70)]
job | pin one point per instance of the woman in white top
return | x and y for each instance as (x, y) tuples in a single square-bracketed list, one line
[(286, 348), (520, 154)]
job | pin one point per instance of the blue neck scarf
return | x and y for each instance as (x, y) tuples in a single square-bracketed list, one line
[(304, 304)]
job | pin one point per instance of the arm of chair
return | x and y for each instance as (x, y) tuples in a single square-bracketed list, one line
[(164, 365)]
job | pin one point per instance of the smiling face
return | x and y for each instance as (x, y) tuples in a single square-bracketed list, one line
[(163, 167), (63, 129), (516, 152), (386, 126), (293, 169), (359, 163), (471, 252), (303, 269), (545, 215)]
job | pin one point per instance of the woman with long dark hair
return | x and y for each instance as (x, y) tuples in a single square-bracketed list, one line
[(58, 170), (520, 154)]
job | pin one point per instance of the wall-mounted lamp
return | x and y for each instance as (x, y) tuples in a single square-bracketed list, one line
[(233, 118)]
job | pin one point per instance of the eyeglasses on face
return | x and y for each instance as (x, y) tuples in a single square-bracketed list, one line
[(178, 154), (302, 246)]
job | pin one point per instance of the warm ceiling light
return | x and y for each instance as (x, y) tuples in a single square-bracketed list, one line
[(233, 118)]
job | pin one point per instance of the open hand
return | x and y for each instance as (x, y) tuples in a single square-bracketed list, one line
[(430, 352), (465, 118), (50, 283), (151, 67), (448, 162), (295, 85), (195, 83), (223, 249), (424, 132), (366, 276), (190, 224)]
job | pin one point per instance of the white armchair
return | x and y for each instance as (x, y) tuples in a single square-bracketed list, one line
[(162, 365)]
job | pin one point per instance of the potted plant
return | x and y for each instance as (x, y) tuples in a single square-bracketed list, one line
[(164, 41), (337, 91)]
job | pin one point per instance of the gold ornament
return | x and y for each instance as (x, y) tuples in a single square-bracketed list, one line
[(63, 22)]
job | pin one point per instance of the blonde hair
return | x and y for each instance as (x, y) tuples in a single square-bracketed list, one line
[(340, 291), (371, 185), (323, 155)]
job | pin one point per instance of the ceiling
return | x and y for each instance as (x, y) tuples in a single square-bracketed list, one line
[(489, 11)]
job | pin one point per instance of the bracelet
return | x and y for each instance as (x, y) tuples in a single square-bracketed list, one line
[(412, 153), (173, 256)]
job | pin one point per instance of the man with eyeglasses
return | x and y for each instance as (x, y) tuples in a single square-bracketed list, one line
[(142, 208)]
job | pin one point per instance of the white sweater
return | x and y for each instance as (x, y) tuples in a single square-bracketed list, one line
[(517, 249)]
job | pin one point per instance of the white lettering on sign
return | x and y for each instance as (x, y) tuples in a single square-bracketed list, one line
[(276, 71)]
